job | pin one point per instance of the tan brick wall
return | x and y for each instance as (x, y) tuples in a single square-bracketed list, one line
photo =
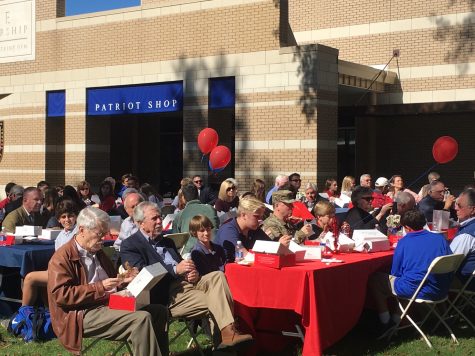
[(248, 28), (318, 14)]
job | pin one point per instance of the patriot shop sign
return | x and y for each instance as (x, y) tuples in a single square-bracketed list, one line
[(137, 99)]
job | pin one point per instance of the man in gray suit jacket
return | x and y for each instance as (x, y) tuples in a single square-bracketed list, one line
[(28, 213)]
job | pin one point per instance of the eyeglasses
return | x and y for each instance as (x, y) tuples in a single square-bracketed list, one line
[(230, 188), (197, 181), (295, 180), (368, 199)]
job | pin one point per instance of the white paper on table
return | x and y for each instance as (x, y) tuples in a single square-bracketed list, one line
[(342, 200), (168, 221), (274, 247), (303, 253)]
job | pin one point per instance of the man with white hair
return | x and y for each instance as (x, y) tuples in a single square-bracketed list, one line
[(365, 180), (80, 281), (280, 182), (183, 289)]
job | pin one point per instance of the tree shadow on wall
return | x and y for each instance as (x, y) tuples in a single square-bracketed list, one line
[(461, 37), (196, 75)]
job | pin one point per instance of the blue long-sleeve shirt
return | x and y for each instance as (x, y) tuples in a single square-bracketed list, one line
[(412, 258)]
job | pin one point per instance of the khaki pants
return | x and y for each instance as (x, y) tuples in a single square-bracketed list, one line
[(210, 293), (145, 329)]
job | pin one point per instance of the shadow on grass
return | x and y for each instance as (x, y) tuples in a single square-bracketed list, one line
[(362, 340)]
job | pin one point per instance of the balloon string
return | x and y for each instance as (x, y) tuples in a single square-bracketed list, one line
[(422, 175)]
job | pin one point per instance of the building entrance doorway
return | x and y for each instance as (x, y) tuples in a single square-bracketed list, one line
[(149, 146)]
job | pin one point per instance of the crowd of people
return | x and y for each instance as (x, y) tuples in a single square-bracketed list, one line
[(80, 277)]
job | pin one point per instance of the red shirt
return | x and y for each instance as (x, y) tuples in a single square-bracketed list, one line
[(379, 199), (4, 202)]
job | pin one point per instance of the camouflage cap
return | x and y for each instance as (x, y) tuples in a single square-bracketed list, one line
[(284, 196)]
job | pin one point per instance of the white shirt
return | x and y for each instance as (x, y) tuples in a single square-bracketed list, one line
[(94, 270), (64, 236), (463, 243), (127, 228)]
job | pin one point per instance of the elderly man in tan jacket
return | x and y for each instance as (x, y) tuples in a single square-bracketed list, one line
[(80, 280)]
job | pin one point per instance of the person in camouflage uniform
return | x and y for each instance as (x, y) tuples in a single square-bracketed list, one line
[(277, 225)]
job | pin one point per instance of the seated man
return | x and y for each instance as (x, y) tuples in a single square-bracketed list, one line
[(128, 227), (186, 293), (80, 280), (277, 225), (244, 228), (464, 240), (436, 200), (413, 255), (28, 213)]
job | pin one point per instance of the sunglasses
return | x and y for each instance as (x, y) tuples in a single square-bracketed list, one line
[(367, 198), (197, 181), (295, 180), (230, 188)]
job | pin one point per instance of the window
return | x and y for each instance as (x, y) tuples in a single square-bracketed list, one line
[(76, 7)]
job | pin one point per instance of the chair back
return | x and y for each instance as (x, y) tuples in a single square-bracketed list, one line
[(180, 239), (446, 264), (167, 209)]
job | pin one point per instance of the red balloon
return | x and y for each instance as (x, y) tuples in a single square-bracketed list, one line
[(207, 140), (220, 157), (445, 149)]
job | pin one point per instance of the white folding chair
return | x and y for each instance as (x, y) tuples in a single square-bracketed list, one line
[(440, 265), (463, 298)]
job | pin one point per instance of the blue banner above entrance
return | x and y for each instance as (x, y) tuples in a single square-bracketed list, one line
[(139, 99)]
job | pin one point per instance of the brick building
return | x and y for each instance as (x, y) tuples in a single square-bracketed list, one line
[(290, 86)]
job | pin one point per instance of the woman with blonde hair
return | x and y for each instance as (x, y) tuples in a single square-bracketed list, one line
[(324, 212), (227, 196), (347, 185)]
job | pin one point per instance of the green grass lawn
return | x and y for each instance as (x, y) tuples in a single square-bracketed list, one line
[(15, 346), (360, 341)]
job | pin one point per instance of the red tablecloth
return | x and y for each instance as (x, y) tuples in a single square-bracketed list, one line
[(328, 298)]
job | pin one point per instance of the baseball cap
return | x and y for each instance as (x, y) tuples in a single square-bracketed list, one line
[(284, 196), (381, 182)]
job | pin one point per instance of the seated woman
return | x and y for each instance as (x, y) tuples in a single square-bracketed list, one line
[(106, 195), (227, 196), (311, 196), (359, 217), (347, 185), (85, 193), (397, 185), (206, 255), (324, 212), (259, 189), (245, 228), (331, 188), (66, 213)]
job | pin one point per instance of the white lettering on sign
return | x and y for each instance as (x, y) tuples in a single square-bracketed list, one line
[(134, 105)]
